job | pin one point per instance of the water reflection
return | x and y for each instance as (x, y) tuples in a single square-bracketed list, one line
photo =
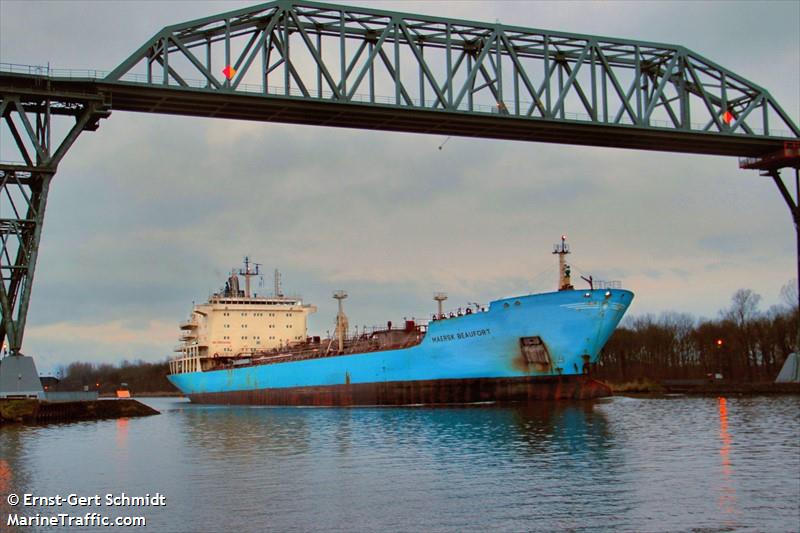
[(243, 431), (5, 477), (122, 433), (727, 496), (11, 473), (344, 433), (460, 459), (571, 427), (5, 488), (536, 429)]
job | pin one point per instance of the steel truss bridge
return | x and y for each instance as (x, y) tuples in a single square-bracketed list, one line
[(312, 63)]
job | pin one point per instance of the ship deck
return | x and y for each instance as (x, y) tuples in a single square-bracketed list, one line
[(376, 341)]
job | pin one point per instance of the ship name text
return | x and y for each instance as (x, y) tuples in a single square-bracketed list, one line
[(461, 335)]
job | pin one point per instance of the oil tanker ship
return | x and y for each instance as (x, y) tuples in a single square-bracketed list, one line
[(242, 348)]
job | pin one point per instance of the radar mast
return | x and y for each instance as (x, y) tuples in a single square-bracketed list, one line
[(248, 273)]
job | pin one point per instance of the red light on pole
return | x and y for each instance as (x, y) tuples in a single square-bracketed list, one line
[(719, 343)]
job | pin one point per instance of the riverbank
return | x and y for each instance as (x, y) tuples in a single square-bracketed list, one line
[(163, 394), (38, 412), (702, 387)]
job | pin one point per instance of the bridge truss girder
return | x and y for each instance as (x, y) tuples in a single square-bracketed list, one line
[(28, 120), (327, 53)]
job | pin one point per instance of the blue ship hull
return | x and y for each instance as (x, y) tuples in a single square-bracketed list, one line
[(475, 357)]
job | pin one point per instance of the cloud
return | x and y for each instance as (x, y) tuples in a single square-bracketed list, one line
[(104, 341), (117, 332)]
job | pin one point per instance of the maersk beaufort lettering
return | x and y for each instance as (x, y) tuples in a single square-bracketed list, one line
[(461, 335)]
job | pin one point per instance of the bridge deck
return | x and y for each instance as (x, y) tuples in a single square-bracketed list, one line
[(137, 97)]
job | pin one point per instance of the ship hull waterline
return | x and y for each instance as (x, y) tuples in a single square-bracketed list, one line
[(429, 392)]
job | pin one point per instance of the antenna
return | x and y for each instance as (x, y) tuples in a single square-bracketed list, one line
[(445, 142), (258, 272), (247, 273)]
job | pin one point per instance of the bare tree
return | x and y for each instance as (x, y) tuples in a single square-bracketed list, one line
[(744, 307), (743, 312), (789, 294)]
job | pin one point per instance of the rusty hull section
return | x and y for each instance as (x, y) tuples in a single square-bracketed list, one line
[(432, 392)]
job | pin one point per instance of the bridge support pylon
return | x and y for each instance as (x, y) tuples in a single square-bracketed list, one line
[(771, 165), (27, 118)]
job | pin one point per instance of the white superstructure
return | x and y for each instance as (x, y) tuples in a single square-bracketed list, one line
[(235, 324)]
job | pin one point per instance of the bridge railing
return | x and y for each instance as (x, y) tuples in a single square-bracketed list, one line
[(46, 70)]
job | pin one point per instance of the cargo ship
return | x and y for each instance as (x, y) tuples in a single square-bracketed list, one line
[(243, 348)]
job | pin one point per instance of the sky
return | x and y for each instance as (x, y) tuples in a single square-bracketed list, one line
[(149, 213)]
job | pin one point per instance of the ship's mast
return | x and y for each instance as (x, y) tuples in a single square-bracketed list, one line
[(341, 319), (562, 249), (440, 297), (247, 273)]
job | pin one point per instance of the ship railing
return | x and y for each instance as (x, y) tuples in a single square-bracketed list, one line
[(197, 341), (419, 323), (472, 309), (606, 284), (286, 299)]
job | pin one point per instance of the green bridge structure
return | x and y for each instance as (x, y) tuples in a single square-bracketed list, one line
[(329, 65)]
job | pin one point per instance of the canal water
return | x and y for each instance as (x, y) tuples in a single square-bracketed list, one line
[(621, 464)]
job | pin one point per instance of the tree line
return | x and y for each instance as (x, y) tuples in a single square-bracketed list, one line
[(140, 376), (743, 344)]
